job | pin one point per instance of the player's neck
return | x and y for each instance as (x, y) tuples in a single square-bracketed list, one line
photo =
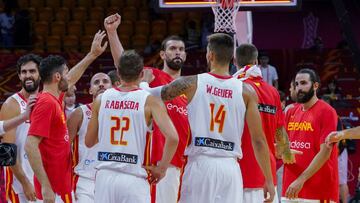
[(173, 73), (310, 103), (52, 89), (128, 86), (26, 94), (222, 70)]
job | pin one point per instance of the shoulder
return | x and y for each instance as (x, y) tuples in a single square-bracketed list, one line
[(10, 102), (10, 108), (323, 106)]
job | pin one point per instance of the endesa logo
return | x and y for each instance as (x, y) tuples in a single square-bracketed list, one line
[(180, 110), (300, 126), (300, 145)]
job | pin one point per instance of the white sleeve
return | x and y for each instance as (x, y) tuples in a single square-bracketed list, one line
[(156, 91), (2, 131)]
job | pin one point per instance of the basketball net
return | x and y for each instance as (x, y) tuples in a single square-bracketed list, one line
[(225, 12)]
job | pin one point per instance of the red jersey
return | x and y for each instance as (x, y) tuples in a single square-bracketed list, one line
[(177, 111), (48, 121), (272, 118), (307, 130)]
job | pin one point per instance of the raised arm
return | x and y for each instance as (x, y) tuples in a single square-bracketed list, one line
[(336, 136), (261, 149), (96, 50), (92, 137), (111, 23), (156, 108), (184, 85)]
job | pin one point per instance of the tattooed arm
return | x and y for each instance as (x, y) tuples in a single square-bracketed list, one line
[(283, 146), (184, 85)]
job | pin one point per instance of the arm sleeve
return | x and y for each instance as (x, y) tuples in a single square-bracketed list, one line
[(2, 131), (329, 124), (41, 118)]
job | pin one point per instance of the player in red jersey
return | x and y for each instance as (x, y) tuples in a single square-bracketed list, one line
[(173, 54), (314, 176), (272, 121), (47, 145)]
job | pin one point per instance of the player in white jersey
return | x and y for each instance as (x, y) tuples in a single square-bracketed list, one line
[(120, 125), (218, 106), (83, 157)]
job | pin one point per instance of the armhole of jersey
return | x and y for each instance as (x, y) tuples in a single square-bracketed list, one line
[(149, 128)]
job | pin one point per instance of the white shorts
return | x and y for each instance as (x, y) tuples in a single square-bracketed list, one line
[(117, 187), (343, 167), (211, 180), (168, 188), (256, 195), (85, 189), (299, 200)]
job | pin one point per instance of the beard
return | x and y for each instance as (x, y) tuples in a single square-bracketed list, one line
[(175, 63), (303, 97), (63, 85), (30, 88)]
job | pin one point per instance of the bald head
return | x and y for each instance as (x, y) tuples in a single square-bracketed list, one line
[(99, 83)]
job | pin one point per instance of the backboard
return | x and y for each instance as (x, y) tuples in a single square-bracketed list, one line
[(244, 4)]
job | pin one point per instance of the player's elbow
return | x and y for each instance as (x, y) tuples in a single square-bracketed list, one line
[(173, 140), (29, 146), (89, 140), (259, 142)]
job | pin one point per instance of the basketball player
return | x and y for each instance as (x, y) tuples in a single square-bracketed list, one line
[(84, 180), (119, 124), (218, 105), (47, 144), (14, 122), (173, 55), (307, 129), (115, 79), (19, 187), (272, 121)]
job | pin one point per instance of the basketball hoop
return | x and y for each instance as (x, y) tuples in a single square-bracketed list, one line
[(225, 12)]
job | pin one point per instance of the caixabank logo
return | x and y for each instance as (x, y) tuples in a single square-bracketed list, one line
[(214, 143), (118, 157)]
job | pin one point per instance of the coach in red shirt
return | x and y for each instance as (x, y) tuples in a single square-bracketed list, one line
[(314, 176)]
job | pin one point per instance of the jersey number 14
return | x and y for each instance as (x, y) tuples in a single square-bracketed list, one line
[(217, 117)]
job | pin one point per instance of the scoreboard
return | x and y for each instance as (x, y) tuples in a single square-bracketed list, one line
[(249, 4)]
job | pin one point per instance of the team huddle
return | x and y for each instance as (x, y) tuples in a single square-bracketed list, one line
[(159, 137)]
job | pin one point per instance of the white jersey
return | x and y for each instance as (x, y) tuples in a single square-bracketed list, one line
[(123, 139), (86, 156), (20, 140), (216, 117)]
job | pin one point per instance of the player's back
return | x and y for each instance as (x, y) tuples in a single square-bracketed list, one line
[(123, 139), (216, 116), (21, 135)]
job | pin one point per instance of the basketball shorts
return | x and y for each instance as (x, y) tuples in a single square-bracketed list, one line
[(168, 188), (256, 195), (117, 187), (212, 180), (299, 200), (84, 191)]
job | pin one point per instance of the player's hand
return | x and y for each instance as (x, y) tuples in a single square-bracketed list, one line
[(288, 156), (96, 47), (294, 188), (156, 173), (29, 191), (148, 76), (48, 195), (30, 105), (334, 137), (112, 22), (269, 191)]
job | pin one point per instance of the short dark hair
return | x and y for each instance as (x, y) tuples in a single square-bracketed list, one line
[(172, 37), (246, 54), (26, 59), (130, 66), (114, 77), (314, 77), (51, 65), (222, 45)]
